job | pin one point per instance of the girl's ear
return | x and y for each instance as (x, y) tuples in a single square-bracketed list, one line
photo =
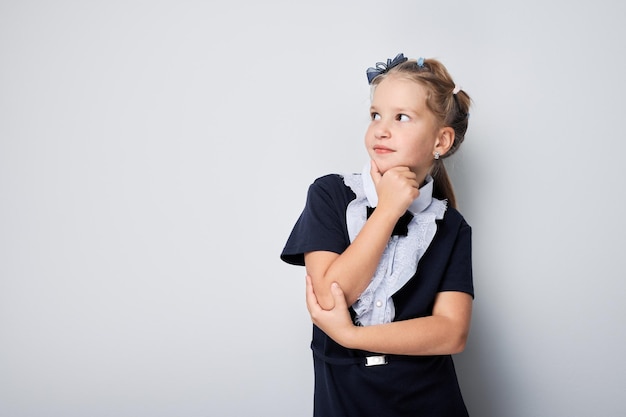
[(444, 141)]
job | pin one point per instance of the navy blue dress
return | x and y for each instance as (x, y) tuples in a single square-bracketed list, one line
[(406, 385)]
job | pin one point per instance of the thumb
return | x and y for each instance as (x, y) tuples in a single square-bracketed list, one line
[(375, 172), (340, 299)]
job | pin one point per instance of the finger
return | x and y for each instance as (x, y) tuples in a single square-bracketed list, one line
[(310, 295), (375, 172), (405, 172), (408, 175), (338, 296), (311, 299)]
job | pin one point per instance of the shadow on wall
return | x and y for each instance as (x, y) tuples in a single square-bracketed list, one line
[(482, 368)]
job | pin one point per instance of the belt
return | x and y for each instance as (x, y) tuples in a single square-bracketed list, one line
[(375, 360), (372, 360)]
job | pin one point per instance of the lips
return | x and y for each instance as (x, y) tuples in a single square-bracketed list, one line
[(382, 149)]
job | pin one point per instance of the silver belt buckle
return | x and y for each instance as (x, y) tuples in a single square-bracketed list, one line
[(375, 360)]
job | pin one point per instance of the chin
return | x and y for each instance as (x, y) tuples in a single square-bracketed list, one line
[(384, 166)]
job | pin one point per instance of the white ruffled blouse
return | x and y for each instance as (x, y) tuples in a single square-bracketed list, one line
[(402, 253)]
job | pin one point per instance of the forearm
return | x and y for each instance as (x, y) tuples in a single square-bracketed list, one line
[(444, 332), (432, 335), (354, 268)]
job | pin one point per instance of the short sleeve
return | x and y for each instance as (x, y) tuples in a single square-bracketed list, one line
[(322, 224), (458, 275)]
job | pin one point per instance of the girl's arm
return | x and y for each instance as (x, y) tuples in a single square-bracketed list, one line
[(354, 268), (443, 333)]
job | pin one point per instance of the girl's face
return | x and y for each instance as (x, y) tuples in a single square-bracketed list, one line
[(403, 131)]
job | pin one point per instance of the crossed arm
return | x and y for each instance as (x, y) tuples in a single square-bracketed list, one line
[(444, 332)]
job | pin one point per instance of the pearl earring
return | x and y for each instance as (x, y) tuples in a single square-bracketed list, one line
[(436, 155)]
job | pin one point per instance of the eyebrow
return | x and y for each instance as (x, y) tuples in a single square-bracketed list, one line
[(398, 110)]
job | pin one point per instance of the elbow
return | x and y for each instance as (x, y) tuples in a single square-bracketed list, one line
[(327, 303), (322, 293), (458, 343), (455, 338), (457, 348)]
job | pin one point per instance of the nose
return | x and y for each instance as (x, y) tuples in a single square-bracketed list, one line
[(382, 130)]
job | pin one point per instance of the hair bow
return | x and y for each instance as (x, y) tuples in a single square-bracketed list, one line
[(381, 67)]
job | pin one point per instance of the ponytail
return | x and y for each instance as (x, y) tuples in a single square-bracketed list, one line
[(442, 186)]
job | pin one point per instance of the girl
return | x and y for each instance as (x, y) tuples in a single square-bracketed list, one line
[(388, 256)]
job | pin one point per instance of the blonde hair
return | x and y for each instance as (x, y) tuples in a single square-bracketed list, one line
[(451, 109)]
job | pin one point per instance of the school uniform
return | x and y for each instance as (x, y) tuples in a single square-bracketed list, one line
[(354, 383)]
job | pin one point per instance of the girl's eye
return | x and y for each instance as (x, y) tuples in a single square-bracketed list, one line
[(375, 116), (403, 118)]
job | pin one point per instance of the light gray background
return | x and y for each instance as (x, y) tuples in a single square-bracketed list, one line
[(154, 156)]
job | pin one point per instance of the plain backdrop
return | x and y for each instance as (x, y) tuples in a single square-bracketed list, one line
[(154, 156)]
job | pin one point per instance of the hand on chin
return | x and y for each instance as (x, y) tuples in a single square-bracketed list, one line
[(385, 164)]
